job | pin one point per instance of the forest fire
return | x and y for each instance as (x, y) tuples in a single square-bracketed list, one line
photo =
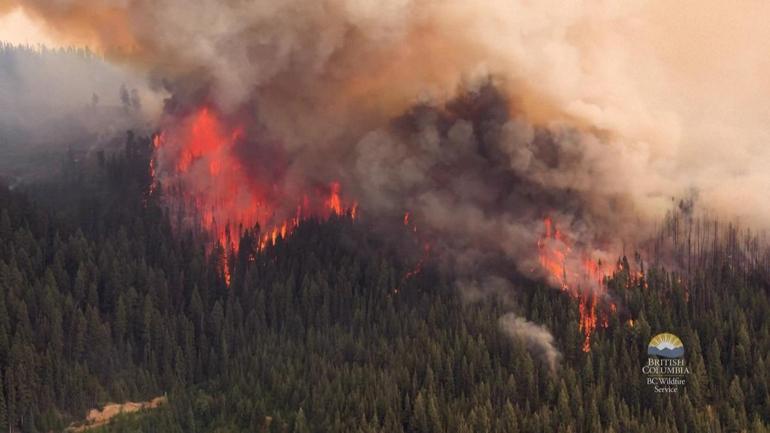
[(209, 187), (578, 274), (425, 248)]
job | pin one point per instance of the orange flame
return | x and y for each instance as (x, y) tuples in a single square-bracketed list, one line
[(211, 184), (333, 202), (156, 141), (583, 279), (426, 248)]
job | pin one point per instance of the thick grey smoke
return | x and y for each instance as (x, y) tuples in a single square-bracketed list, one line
[(481, 178), (478, 118), (536, 337), (674, 90)]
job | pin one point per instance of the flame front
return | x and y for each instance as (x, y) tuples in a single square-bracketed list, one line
[(578, 274), (206, 186)]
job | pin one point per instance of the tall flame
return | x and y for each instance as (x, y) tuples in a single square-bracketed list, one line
[(578, 274), (208, 187)]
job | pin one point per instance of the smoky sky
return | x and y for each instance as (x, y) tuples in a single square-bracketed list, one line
[(677, 91), (479, 118)]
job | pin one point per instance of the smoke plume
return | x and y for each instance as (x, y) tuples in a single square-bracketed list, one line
[(666, 86), (478, 120), (537, 338)]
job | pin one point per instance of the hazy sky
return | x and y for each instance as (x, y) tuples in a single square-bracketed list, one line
[(17, 28), (678, 89), (47, 98)]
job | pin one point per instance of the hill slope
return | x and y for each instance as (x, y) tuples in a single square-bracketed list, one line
[(101, 301)]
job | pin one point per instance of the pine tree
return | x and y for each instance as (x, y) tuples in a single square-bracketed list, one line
[(300, 423)]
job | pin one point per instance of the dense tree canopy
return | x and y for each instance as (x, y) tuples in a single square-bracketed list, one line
[(100, 300)]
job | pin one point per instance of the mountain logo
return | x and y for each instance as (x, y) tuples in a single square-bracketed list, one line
[(666, 369), (666, 345)]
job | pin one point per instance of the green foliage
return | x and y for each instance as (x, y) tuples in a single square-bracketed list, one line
[(100, 301)]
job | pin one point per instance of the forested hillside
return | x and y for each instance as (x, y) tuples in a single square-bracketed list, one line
[(100, 300)]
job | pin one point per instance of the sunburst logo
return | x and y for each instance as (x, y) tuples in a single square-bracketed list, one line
[(666, 345), (666, 368)]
